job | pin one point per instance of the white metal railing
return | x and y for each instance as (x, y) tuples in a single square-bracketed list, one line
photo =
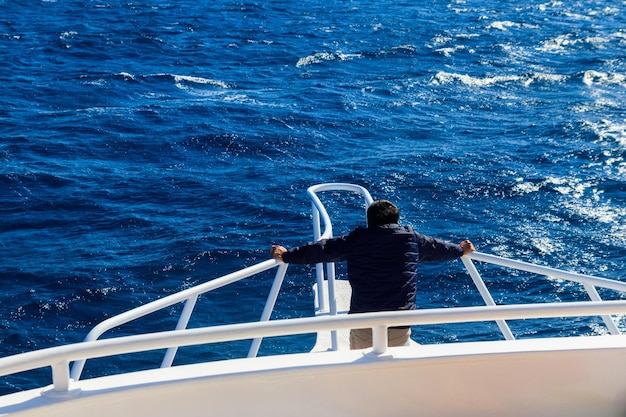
[(329, 302), (323, 229), (58, 358), (189, 297), (589, 282)]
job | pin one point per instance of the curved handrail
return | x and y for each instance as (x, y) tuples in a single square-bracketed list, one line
[(589, 284), (59, 357), (548, 271), (324, 302), (156, 305), (319, 207)]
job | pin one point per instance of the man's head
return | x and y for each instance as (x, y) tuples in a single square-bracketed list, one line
[(382, 212)]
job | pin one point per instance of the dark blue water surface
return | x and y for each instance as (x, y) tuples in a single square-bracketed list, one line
[(149, 146)]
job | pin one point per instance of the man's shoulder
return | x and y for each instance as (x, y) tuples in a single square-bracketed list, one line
[(398, 228), (387, 229), (358, 231)]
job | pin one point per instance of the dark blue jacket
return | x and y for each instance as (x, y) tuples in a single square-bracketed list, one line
[(382, 263)]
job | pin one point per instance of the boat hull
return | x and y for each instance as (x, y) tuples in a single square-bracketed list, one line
[(547, 377)]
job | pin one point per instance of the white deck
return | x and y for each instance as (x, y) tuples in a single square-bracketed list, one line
[(343, 293)]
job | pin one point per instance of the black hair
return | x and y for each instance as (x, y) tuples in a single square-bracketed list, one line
[(382, 212)]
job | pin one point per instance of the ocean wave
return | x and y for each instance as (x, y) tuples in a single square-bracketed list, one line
[(581, 199), (325, 56), (505, 25), (562, 185), (558, 43), (404, 48), (447, 52), (181, 80), (126, 76), (562, 42), (596, 209), (546, 245), (609, 130), (592, 77), (444, 78)]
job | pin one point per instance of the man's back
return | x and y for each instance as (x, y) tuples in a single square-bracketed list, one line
[(382, 267), (382, 263)]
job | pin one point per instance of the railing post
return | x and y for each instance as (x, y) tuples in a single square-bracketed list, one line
[(325, 303), (608, 320), (332, 302), (61, 376), (319, 268), (379, 339), (269, 306), (183, 321), (484, 292)]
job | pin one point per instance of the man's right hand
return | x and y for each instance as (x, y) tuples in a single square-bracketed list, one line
[(467, 246)]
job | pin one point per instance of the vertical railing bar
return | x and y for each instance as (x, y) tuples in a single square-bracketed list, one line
[(319, 268), (269, 306), (332, 302), (380, 340), (61, 376), (608, 320), (183, 321), (329, 303), (484, 292)]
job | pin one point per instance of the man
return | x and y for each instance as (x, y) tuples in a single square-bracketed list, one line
[(382, 265)]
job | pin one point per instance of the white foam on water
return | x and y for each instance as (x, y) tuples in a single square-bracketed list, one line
[(325, 56), (444, 78), (180, 79), (592, 77)]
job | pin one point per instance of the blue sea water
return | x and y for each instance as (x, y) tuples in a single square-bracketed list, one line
[(149, 146)]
